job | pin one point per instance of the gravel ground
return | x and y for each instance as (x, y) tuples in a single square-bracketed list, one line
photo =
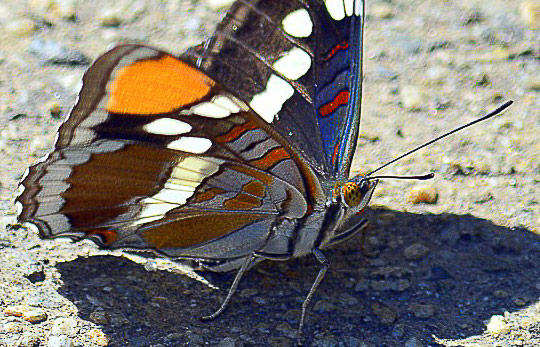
[(459, 271)]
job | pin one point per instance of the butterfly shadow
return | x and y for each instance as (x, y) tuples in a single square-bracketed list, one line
[(409, 276)]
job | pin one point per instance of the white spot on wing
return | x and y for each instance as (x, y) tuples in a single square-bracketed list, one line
[(270, 101), (294, 64), (211, 110), (335, 9), (174, 196), (226, 103), (181, 185), (191, 171), (298, 23), (358, 7), (153, 210), (167, 126), (190, 144)]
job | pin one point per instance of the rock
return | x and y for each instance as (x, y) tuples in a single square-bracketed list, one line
[(35, 315), (422, 194), (53, 52), (529, 11), (59, 341), (382, 11), (385, 313), (12, 327), (422, 311), (533, 83), (98, 337), (415, 251), (22, 27), (119, 12), (55, 9), (413, 342), (216, 5), (227, 342), (497, 325), (413, 97), (64, 326)]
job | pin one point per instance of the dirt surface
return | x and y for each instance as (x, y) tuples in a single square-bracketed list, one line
[(427, 274)]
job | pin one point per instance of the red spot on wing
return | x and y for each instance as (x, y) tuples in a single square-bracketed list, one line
[(339, 47), (341, 99), (107, 236)]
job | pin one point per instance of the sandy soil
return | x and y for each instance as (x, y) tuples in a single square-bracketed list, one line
[(427, 275)]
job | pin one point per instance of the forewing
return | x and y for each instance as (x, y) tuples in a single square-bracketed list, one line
[(297, 64)]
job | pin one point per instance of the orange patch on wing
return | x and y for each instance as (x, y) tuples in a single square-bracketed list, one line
[(243, 201), (271, 158), (156, 86), (195, 230), (255, 188), (208, 194), (236, 132)]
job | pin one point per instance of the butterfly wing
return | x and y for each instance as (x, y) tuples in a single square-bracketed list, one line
[(298, 65), (156, 155)]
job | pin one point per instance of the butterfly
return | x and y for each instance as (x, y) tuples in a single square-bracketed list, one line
[(237, 151)]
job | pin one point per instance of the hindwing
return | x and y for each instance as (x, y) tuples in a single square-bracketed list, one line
[(157, 155)]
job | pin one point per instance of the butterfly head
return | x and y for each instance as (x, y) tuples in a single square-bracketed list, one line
[(355, 193)]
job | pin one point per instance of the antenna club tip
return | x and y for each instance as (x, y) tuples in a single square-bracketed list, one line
[(428, 176)]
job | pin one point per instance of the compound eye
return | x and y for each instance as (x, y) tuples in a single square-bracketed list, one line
[(352, 194)]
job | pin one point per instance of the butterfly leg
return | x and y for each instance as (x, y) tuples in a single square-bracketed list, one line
[(249, 260), (319, 255)]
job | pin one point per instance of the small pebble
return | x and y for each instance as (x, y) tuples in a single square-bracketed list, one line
[(497, 325), (34, 316), (500, 293), (496, 55), (16, 310), (422, 311), (23, 27), (529, 11), (533, 83), (519, 302), (216, 5), (54, 109), (59, 341), (422, 194), (382, 11), (29, 340), (53, 52), (12, 327), (64, 326), (415, 251), (98, 337), (385, 313), (286, 329), (413, 342), (413, 97), (100, 317), (56, 9), (227, 342), (119, 12)]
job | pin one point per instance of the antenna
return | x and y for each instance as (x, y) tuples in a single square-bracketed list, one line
[(487, 116)]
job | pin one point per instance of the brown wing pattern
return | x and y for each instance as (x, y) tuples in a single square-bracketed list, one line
[(156, 155)]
